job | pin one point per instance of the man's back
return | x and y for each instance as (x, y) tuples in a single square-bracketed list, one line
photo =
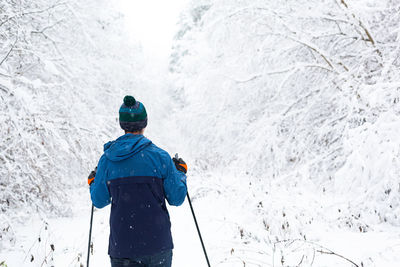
[(136, 177)]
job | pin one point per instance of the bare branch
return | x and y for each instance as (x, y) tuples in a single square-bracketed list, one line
[(338, 255), (3, 88), (48, 27), (322, 250), (9, 52), (6, 20), (254, 77), (44, 10), (360, 23), (299, 100)]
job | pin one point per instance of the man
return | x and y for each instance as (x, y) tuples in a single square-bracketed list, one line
[(136, 177)]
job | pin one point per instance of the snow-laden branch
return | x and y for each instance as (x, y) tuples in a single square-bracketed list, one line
[(9, 51), (313, 48), (360, 23)]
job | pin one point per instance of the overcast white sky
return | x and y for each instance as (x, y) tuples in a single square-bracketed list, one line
[(153, 23)]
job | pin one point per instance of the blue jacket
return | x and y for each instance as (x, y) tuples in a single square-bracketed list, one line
[(136, 177)]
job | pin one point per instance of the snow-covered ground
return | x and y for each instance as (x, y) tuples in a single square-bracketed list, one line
[(69, 236), (221, 223)]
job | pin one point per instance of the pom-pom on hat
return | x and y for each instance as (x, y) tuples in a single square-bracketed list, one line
[(132, 115)]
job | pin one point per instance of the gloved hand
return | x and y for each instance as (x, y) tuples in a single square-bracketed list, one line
[(180, 164), (91, 176)]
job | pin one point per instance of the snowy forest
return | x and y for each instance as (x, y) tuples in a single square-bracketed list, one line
[(287, 113)]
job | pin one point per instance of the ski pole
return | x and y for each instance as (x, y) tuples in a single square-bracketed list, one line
[(198, 229), (90, 236)]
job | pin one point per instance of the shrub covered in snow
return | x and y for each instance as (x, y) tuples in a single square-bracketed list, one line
[(301, 99)]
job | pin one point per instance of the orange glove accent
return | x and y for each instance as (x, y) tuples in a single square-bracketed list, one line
[(90, 181), (91, 176), (184, 166), (180, 164)]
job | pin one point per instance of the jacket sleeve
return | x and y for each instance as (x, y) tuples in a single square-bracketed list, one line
[(174, 183), (99, 190)]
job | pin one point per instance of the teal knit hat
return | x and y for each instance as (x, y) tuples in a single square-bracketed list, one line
[(132, 115)]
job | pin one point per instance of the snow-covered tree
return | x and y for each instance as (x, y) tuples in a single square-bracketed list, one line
[(299, 97), (63, 68)]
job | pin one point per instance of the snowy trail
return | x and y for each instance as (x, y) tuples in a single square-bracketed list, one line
[(219, 218), (69, 236)]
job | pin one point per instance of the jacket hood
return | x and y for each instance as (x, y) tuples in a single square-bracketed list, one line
[(125, 146)]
